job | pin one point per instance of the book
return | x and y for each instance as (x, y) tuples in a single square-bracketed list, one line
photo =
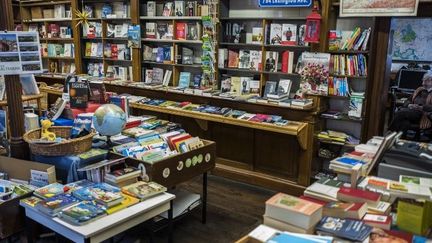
[(127, 202), (287, 62), (293, 210), (29, 85), (233, 59), (53, 205), (168, 9), (414, 217), (257, 35), (181, 29), (289, 34), (270, 88), (193, 31), (271, 62), (282, 91), (345, 210), (82, 213), (236, 86), (49, 191), (349, 229), (415, 180), (56, 109), (2, 87), (255, 60), (31, 201), (244, 59), (179, 8), (184, 80), (378, 221), (275, 34), (348, 194), (81, 125), (299, 238), (143, 190), (119, 175), (150, 30), (325, 189), (103, 193), (284, 226), (151, 8), (78, 92)]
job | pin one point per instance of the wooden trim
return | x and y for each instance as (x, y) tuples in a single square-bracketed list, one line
[(76, 31)]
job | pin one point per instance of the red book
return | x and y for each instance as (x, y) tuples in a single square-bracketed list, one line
[(348, 194), (310, 199), (181, 31), (345, 210), (378, 221), (114, 51), (285, 58), (233, 59), (54, 30)]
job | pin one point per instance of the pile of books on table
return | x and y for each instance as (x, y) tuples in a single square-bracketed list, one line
[(215, 110), (84, 201), (337, 137)]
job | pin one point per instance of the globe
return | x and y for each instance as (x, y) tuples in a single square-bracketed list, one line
[(109, 120)]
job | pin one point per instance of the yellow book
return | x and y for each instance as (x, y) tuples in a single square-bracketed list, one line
[(127, 201), (413, 216)]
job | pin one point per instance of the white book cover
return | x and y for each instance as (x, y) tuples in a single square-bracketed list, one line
[(151, 8), (121, 48), (68, 50), (148, 76), (151, 30), (271, 62), (124, 30), (130, 74), (167, 78), (245, 84), (93, 50), (284, 87), (118, 30), (244, 59), (123, 73), (275, 34), (179, 8), (254, 86), (59, 11), (222, 57), (289, 34), (255, 60), (257, 35)]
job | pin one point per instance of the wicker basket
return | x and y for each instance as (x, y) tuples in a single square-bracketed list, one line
[(66, 147)]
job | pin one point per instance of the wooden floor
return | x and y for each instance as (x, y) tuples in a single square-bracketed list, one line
[(234, 209)]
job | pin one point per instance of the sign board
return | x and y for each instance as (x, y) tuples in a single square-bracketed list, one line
[(20, 53), (363, 8), (285, 3)]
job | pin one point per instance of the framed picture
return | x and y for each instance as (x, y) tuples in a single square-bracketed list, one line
[(362, 8)]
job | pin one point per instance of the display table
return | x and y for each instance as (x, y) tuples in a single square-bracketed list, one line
[(105, 227)]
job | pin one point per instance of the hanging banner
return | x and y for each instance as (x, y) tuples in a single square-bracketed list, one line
[(20, 53), (362, 8), (285, 3)]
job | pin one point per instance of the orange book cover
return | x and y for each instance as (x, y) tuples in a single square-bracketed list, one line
[(293, 204)]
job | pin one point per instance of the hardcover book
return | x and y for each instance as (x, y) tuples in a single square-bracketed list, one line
[(151, 8), (49, 190), (143, 190), (255, 60), (157, 75), (233, 59), (168, 9), (289, 34), (78, 93), (53, 205), (354, 230), (127, 202), (181, 29), (271, 62), (184, 80), (345, 210), (82, 213), (270, 88), (103, 193), (257, 35), (275, 34), (150, 30), (348, 194), (236, 86), (179, 8)]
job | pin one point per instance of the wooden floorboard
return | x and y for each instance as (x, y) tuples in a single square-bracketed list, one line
[(234, 209)]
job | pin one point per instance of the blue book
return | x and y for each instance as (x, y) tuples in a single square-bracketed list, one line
[(102, 193), (291, 238), (344, 228), (82, 213), (167, 53), (184, 80), (55, 204), (349, 161), (160, 55)]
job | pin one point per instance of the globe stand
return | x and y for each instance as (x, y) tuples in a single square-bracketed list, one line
[(107, 144)]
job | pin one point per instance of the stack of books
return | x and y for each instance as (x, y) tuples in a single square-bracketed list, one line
[(285, 212), (122, 177), (355, 40), (344, 229)]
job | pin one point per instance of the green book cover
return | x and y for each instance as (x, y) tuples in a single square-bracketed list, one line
[(413, 216)]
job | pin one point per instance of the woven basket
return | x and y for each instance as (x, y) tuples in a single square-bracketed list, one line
[(66, 147)]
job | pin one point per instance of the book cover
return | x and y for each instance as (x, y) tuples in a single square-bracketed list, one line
[(78, 92), (82, 213), (255, 60), (162, 31), (181, 31), (344, 228), (233, 59), (31, 201), (127, 202), (184, 80), (245, 84), (101, 192), (309, 64), (244, 59), (29, 85), (179, 7), (193, 31), (236, 86), (225, 84), (292, 203), (134, 36), (257, 35), (275, 34), (271, 62), (254, 86), (289, 34), (54, 204), (378, 221), (287, 61), (168, 9), (151, 8), (49, 190), (289, 237), (157, 75), (270, 88), (150, 30), (143, 190)]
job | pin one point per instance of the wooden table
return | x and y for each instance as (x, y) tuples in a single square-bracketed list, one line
[(107, 226)]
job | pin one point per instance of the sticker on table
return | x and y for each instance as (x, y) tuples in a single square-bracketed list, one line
[(188, 163), (166, 173), (200, 158), (180, 165), (194, 160), (207, 157), (143, 175)]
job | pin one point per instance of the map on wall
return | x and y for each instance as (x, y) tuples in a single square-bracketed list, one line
[(412, 39)]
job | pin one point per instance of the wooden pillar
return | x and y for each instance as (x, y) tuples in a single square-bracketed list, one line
[(19, 149), (136, 52)]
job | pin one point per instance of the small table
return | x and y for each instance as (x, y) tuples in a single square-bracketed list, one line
[(105, 227)]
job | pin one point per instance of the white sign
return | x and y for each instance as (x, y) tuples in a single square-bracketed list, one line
[(20, 53)]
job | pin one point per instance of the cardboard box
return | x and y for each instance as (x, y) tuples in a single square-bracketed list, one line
[(48, 13), (36, 13), (12, 219)]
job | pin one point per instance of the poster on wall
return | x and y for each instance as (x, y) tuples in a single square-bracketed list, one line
[(285, 3), (362, 8), (412, 39), (20, 53)]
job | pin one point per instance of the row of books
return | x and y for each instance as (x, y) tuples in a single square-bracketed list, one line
[(59, 11), (65, 67), (222, 111), (119, 72), (54, 30), (274, 34), (82, 202), (169, 55), (176, 8), (352, 65), (57, 50), (355, 40), (166, 31), (336, 137), (338, 86), (108, 10), (110, 50), (94, 30), (252, 60)]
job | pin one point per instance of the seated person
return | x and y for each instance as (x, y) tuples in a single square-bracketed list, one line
[(417, 110)]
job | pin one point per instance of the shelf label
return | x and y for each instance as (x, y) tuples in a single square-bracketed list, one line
[(285, 3)]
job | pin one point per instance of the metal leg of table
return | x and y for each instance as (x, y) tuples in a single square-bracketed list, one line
[(170, 222), (204, 199)]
